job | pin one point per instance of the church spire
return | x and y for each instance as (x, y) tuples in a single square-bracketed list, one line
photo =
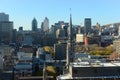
[(71, 39), (70, 49), (71, 35)]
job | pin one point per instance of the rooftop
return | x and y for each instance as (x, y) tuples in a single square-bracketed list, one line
[(95, 64)]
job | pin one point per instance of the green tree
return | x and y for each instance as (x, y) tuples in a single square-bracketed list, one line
[(51, 70)]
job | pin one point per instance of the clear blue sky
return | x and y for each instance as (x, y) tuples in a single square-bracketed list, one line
[(23, 11)]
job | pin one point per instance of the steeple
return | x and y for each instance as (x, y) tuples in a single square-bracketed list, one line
[(34, 24), (71, 33), (71, 39), (70, 45)]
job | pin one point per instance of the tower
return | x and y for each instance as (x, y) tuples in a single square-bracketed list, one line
[(71, 49), (34, 25), (4, 17), (87, 26), (6, 29), (46, 24)]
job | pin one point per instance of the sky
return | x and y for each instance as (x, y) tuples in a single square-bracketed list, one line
[(22, 12)]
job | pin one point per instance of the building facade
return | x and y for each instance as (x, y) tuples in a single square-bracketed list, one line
[(87, 26), (45, 24), (6, 31), (4, 17), (116, 45), (34, 25), (61, 25), (79, 38), (60, 51)]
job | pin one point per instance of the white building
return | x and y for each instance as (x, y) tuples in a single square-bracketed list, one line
[(116, 45), (23, 66), (79, 38), (4, 17), (45, 26), (119, 31), (24, 57), (39, 51)]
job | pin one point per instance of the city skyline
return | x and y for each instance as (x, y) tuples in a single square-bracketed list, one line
[(22, 12)]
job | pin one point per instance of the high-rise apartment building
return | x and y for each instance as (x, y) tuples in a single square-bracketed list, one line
[(4, 17), (34, 25), (45, 24), (87, 26), (61, 25), (6, 28), (6, 31)]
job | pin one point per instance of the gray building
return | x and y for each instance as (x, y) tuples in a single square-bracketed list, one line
[(60, 51), (45, 24), (1, 60), (6, 28), (6, 31), (20, 28), (60, 33), (87, 26), (34, 25), (4, 17), (61, 25)]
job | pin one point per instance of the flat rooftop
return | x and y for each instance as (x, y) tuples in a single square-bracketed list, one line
[(96, 64)]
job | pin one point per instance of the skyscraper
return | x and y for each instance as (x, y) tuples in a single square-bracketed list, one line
[(6, 31), (34, 25), (46, 24), (87, 26), (4, 17), (6, 28)]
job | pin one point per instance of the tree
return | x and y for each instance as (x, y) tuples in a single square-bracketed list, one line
[(50, 50), (47, 49), (51, 70), (102, 51)]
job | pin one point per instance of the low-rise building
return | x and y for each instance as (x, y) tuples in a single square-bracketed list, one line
[(79, 38), (91, 69), (22, 69), (116, 45), (24, 57), (6, 50)]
